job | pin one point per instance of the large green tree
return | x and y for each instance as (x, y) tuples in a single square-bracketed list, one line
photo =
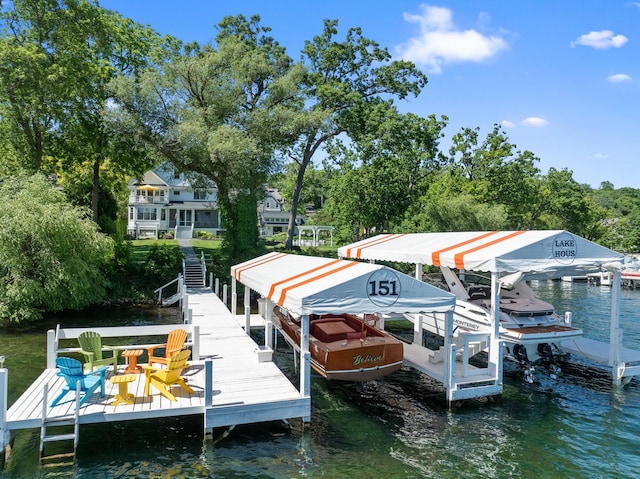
[(56, 60), (221, 110), (349, 83), (52, 257)]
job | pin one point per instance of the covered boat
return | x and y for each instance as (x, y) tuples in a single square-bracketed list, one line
[(318, 305), (527, 325), (344, 347)]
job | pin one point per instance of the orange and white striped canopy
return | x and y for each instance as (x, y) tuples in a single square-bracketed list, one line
[(547, 252), (308, 284)]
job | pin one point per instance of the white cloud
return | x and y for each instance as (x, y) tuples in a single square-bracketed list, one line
[(619, 78), (599, 156), (441, 42), (535, 121), (601, 40), (507, 124)]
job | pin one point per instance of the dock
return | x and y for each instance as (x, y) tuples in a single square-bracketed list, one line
[(234, 381)]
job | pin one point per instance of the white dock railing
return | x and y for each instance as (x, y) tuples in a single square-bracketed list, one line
[(55, 336)]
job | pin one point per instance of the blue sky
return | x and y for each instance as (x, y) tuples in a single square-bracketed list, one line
[(561, 77)]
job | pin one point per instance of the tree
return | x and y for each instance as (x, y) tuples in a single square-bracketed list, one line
[(52, 257), (384, 172), (56, 60), (221, 111), (347, 81)]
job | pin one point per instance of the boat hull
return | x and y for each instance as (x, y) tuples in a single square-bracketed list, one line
[(344, 347)]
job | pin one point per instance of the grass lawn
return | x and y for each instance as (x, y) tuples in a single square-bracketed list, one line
[(141, 247)]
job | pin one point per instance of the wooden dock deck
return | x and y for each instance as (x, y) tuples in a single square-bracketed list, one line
[(231, 385)]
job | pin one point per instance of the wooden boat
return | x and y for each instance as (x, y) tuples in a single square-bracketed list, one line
[(344, 347)]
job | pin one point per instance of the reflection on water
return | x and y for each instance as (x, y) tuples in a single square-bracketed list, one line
[(576, 426)]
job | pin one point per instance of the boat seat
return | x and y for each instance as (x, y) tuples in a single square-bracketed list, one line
[(479, 292), (331, 330)]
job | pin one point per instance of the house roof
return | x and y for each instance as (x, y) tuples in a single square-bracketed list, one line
[(308, 284), (542, 253)]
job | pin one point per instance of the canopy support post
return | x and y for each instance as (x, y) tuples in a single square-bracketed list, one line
[(615, 334)]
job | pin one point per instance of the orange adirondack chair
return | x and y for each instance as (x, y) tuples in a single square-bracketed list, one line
[(175, 342), (164, 378)]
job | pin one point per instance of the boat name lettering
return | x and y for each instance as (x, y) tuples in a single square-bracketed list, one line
[(467, 325), (366, 359)]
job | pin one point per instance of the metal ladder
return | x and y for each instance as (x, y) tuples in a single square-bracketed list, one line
[(58, 422)]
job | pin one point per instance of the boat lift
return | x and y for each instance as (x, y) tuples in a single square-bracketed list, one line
[(539, 254)]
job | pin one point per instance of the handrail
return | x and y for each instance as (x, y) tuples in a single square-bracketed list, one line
[(159, 290), (203, 266)]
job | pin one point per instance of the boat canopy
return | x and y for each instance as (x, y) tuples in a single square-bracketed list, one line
[(537, 253), (308, 284)]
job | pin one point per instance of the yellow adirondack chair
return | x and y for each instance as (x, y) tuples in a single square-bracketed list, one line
[(164, 378), (91, 347), (175, 342)]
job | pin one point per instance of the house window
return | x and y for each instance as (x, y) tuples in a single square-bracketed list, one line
[(200, 194), (147, 214), (131, 213), (176, 192), (163, 214)]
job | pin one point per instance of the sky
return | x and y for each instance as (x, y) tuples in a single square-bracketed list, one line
[(562, 78)]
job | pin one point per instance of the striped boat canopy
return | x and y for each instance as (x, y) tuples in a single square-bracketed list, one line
[(537, 253), (309, 284)]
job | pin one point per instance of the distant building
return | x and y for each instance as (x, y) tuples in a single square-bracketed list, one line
[(272, 218)]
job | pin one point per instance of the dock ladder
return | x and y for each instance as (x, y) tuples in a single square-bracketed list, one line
[(56, 429)]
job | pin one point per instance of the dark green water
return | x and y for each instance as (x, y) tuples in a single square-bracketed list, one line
[(577, 426)]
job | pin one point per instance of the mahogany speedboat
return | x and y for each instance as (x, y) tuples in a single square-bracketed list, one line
[(344, 347)]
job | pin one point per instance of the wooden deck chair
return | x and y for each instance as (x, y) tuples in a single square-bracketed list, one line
[(71, 370), (175, 342), (164, 378), (91, 347)]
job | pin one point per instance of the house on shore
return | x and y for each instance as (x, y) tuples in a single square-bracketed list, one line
[(166, 201), (184, 204)]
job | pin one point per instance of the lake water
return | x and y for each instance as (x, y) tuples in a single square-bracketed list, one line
[(577, 426)]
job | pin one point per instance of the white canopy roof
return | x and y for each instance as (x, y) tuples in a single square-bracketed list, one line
[(542, 253), (307, 284)]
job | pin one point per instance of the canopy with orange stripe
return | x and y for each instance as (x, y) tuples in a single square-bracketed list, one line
[(545, 253), (307, 284)]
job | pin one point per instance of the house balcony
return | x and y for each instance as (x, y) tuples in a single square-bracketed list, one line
[(148, 200)]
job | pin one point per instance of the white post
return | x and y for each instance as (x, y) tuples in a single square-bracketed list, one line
[(217, 286), (268, 325), (208, 383), (417, 329), (305, 358), (234, 295), (5, 437), (615, 334), (247, 309), (224, 295), (494, 339), (450, 356), (195, 348), (51, 349)]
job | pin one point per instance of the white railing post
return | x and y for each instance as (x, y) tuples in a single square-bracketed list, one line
[(51, 349), (217, 286), (247, 310), (5, 437), (195, 349), (268, 325), (208, 383), (224, 295)]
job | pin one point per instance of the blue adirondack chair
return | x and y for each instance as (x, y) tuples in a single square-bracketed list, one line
[(72, 372)]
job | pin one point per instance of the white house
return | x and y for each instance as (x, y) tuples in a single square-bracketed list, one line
[(164, 200), (271, 215)]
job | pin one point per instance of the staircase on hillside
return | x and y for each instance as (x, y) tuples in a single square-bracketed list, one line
[(193, 273)]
